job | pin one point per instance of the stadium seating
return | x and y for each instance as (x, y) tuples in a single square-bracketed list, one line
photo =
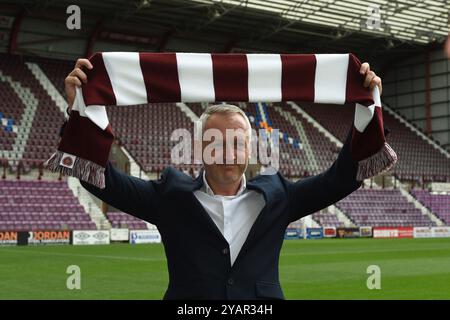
[(40, 205), (382, 208), (439, 204), (327, 219), (44, 123), (145, 131), (123, 220), (417, 159)]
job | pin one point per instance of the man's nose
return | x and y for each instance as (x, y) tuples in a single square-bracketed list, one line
[(230, 155)]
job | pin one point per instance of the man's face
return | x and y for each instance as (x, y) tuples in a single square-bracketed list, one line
[(230, 146)]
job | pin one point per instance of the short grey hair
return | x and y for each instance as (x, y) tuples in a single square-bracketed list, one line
[(224, 108)]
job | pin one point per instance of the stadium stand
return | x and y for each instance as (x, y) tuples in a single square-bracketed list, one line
[(150, 145), (417, 159), (40, 205)]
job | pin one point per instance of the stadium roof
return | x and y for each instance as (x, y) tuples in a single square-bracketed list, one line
[(414, 21)]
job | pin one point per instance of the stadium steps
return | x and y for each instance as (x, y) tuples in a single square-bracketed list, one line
[(425, 211), (342, 217), (187, 111), (135, 169), (30, 102), (302, 137), (88, 203), (48, 86), (417, 132), (309, 222), (316, 124)]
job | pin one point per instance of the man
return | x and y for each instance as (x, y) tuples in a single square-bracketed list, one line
[(222, 234)]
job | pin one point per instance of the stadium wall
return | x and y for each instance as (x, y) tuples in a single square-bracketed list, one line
[(405, 87)]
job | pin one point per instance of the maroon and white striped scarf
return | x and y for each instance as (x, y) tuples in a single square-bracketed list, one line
[(130, 78)]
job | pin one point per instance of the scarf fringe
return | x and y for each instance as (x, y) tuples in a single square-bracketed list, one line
[(379, 163), (82, 169)]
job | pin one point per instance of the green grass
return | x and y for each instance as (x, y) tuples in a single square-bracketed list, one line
[(313, 269)]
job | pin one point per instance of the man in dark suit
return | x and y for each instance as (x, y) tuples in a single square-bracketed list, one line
[(222, 234)]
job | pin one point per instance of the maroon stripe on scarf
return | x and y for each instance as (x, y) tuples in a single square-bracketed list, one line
[(297, 79), (86, 140), (160, 76), (355, 91), (367, 143), (230, 74), (98, 90)]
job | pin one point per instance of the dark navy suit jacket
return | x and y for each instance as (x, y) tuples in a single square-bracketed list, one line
[(198, 255)]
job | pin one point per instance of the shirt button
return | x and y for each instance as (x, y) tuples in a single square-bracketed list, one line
[(225, 251), (230, 281)]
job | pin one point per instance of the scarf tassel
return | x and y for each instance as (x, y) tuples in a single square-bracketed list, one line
[(380, 162), (82, 169)]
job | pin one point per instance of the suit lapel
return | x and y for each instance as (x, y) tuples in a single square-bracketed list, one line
[(200, 213), (261, 186)]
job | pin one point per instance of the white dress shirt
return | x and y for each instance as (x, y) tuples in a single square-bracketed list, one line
[(233, 215)]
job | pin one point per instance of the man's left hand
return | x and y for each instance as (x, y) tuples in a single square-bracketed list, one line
[(371, 80)]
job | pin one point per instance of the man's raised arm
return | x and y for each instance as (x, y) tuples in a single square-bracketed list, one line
[(320, 191), (132, 195)]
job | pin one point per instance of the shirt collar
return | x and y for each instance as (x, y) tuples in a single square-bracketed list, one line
[(208, 190)]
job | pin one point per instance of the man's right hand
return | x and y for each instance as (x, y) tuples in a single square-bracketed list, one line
[(75, 79)]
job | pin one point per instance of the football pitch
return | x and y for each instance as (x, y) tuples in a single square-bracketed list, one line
[(309, 269)]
